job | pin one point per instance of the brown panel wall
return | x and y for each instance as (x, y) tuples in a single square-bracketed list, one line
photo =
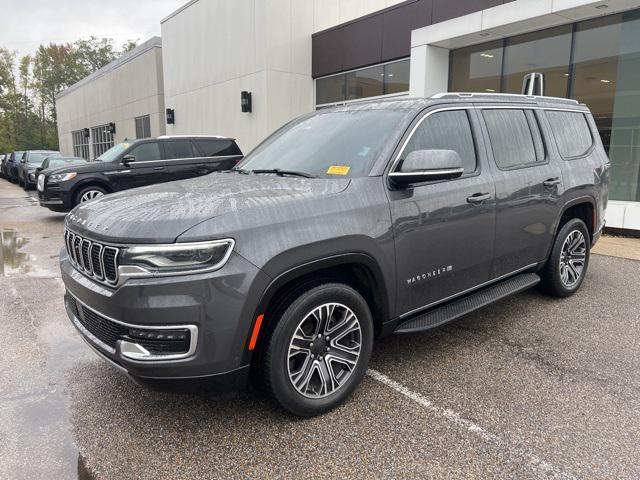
[(448, 9), (384, 35)]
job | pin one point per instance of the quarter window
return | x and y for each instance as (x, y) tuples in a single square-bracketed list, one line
[(146, 151), (571, 132), (511, 138), (218, 147), (448, 130)]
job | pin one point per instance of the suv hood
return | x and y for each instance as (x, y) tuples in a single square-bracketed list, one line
[(89, 167), (160, 213)]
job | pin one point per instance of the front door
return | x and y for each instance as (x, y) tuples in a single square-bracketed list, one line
[(147, 169), (528, 187), (444, 230)]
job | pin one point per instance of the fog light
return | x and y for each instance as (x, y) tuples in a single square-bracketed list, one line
[(160, 335)]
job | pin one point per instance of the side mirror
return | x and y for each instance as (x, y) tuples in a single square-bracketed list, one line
[(428, 166), (127, 159)]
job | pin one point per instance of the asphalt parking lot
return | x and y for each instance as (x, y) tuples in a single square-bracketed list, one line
[(531, 387)]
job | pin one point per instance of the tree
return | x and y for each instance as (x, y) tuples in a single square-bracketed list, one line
[(28, 87)]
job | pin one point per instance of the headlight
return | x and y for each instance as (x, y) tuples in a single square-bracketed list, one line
[(61, 177), (178, 257)]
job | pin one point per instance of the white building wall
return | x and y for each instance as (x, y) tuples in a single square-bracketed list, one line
[(130, 87), (214, 49)]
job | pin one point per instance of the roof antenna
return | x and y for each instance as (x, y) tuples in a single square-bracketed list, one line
[(533, 84)]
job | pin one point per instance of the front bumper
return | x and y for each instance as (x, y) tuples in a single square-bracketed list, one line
[(55, 199), (219, 306)]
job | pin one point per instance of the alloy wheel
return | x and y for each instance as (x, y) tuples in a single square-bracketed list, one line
[(324, 350), (90, 195), (573, 258)]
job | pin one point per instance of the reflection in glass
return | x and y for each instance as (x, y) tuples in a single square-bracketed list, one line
[(367, 82), (547, 52), (477, 68), (330, 89), (396, 79)]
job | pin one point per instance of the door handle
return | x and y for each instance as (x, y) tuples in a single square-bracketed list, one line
[(478, 198), (158, 168), (552, 182)]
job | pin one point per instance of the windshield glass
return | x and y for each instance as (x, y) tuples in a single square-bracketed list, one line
[(343, 143), (37, 158), (111, 154)]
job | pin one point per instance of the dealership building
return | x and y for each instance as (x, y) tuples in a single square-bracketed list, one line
[(289, 57)]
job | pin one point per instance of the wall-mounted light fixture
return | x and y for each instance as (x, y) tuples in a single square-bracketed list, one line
[(112, 128), (245, 102), (87, 133), (171, 116)]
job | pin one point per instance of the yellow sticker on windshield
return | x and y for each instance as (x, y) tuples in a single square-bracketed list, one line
[(338, 170)]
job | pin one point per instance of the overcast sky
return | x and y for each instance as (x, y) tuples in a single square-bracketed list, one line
[(28, 23)]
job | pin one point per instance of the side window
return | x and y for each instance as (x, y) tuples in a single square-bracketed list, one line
[(146, 152), (179, 149), (450, 130), (217, 148), (571, 132), (511, 138)]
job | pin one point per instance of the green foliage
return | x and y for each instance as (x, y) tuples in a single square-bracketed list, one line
[(29, 85)]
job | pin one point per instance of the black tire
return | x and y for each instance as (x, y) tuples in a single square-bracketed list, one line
[(275, 362), (553, 281), (83, 191)]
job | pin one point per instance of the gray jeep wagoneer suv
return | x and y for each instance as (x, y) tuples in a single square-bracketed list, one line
[(345, 225)]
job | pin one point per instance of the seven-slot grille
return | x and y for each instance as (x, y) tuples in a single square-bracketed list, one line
[(92, 258)]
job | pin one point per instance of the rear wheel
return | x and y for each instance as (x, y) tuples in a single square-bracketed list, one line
[(567, 266), (89, 193), (318, 350)]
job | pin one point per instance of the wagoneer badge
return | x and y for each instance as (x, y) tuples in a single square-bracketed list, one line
[(426, 276)]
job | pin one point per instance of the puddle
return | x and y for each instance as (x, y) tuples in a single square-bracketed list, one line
[(12, 260)]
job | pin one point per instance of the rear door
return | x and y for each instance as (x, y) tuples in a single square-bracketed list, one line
[(528, 187), (444, 230), (181, 159)]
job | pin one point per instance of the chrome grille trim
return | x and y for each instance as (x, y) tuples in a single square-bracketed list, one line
[(79, 247)]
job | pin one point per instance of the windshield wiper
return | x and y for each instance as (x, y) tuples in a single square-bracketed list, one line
[(241, 170), (279, 171)]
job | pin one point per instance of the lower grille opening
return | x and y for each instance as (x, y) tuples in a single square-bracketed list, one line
[(155, 341)]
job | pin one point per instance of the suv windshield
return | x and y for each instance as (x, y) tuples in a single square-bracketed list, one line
[(113, 153), (344, 143), (39, 157)]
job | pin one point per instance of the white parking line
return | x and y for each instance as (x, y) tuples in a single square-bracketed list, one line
[(545, 469)]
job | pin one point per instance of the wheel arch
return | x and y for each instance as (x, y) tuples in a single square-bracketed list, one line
[(358, 270), (584, 208)]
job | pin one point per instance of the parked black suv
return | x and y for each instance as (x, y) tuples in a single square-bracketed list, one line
[(135, 164), (347, 224), (31, 160)]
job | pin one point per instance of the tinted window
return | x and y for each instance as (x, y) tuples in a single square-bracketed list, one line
[(217, 147), (445, 131), (511, 138), (571, 132), (179, 149), (146, 151)]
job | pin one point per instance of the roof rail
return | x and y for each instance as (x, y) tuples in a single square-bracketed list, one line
[(480, 95), (166, 137)]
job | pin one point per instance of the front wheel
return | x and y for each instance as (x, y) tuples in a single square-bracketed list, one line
[(567, 266), (89, 193), (318, 351)]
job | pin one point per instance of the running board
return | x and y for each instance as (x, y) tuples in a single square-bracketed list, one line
[(458, 308)]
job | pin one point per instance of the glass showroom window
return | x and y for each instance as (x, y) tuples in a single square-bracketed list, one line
[(547, 52), (102, 140), (477, 68), (80, 144), (386, 79), (143, 126)]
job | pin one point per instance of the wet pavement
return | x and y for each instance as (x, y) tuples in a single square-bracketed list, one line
[(531, 387)]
